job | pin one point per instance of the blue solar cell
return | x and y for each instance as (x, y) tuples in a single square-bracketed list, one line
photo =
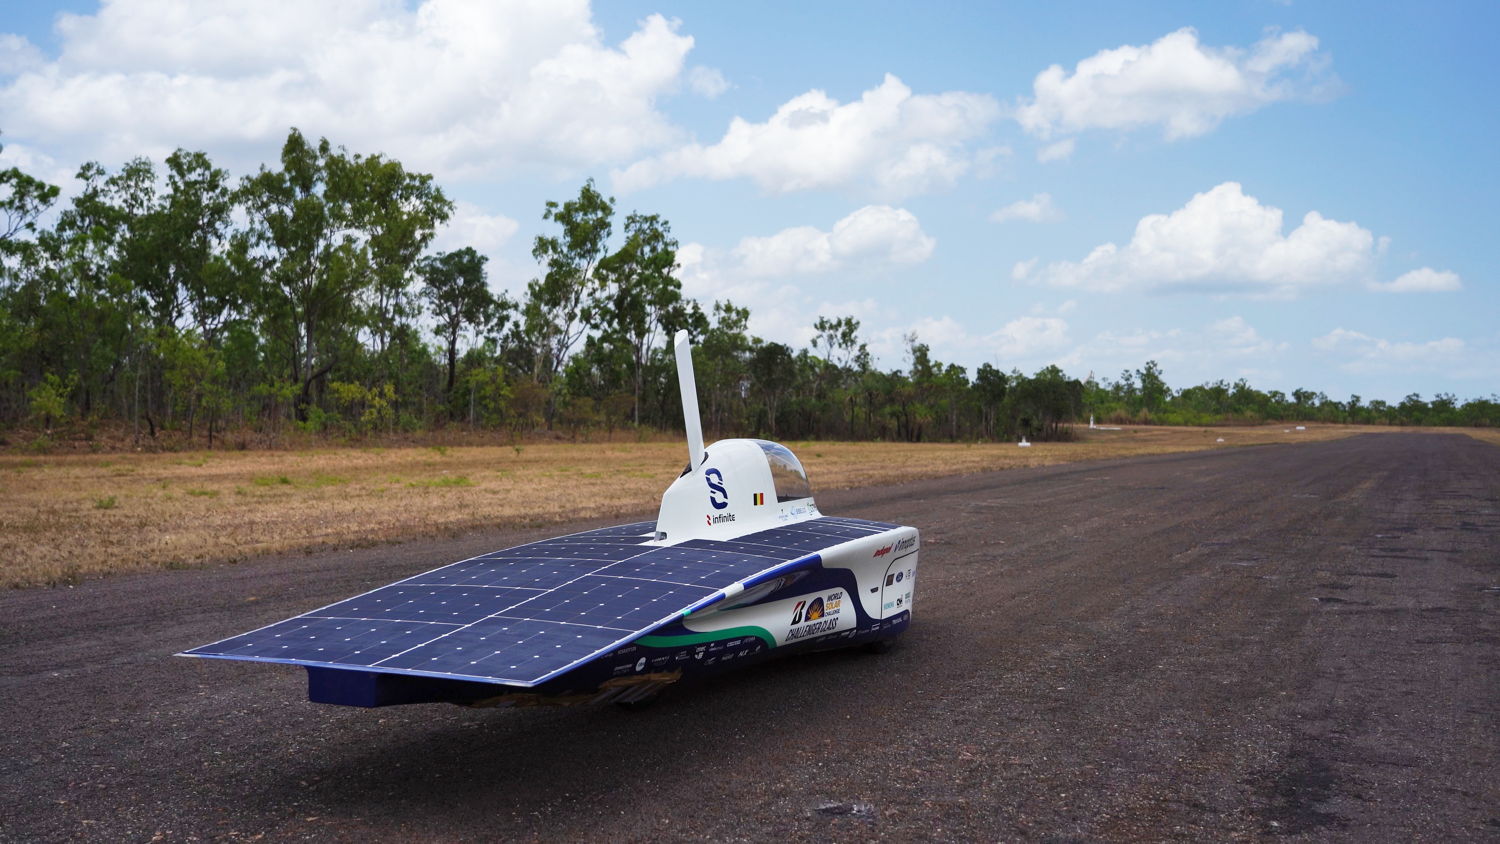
[(642, 530), (787, 540), (512, 650), (410, 601), (522, 572), (697, 565), (833, 531), (743, 549), (523, 614), (873, 527), (341, 640), (619, 603)]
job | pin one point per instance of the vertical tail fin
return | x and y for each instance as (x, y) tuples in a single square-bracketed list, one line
[(689, 387)]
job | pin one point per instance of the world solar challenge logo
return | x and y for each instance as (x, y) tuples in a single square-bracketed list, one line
[(821, 614)]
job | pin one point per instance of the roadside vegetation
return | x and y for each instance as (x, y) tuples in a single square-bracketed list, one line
[(174, 307), (64, 518)]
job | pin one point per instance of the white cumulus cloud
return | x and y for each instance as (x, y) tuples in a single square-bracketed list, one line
[(707, 81), (1037, 209), (889, 143), (1176, 83), (471, 226), (1359, 352), (1058, 151), (873, 234), (17, 54), (1424, 280), (446, 85), (1223, 240), (1028, 337), (1225, 348)]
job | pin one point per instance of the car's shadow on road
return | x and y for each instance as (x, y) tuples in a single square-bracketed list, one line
[(420, 763)]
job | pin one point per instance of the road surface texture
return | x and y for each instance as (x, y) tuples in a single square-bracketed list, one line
[(1293, 640)]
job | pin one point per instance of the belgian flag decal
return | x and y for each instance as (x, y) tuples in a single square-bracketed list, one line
[(760, 498)]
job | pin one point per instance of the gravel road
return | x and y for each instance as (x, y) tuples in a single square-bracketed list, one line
[(1294, 641)]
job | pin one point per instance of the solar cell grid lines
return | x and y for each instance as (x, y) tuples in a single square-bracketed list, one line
[(524, 614)]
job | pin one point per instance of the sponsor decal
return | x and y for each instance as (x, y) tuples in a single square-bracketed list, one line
[(827, 625), (890, 580), (760, 498), (886, 550), (797, 613), (815, 609), (822, 616), (898, 602), (718, 518), (640, 664), (906, 544), (899, 575), (718, 496)]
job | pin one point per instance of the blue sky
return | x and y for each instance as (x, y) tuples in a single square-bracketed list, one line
[(1301, 194)]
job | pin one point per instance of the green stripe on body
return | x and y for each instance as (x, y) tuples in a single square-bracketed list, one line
[(713, 636)]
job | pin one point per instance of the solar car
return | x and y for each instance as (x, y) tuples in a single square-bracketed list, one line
[(739, 565)]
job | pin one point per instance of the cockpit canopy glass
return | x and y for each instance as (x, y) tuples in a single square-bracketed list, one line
[(786, 472)]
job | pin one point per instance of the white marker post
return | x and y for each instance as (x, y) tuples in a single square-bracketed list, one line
[(689, 387)]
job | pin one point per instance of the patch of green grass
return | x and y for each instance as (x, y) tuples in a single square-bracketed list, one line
[(440, 449), (194, 463), (204, 493), (326, 480), (108, 502), (270, 480), (446, 481)]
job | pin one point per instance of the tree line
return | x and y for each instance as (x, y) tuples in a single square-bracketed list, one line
[(305, 296)]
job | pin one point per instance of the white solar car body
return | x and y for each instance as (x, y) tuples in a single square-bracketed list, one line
[(739, 565)]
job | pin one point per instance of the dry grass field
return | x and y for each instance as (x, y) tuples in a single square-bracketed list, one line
[(63, 518)]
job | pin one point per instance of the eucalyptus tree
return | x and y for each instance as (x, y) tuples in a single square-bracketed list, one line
[(331, 232), (455, 288), (721, 363), (558, 309), (23, 199), (639, 301), (772, 374)]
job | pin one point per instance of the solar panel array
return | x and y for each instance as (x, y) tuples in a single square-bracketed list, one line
[(526, 614)]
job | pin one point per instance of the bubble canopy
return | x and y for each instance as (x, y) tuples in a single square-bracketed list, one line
[(786, 472)]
